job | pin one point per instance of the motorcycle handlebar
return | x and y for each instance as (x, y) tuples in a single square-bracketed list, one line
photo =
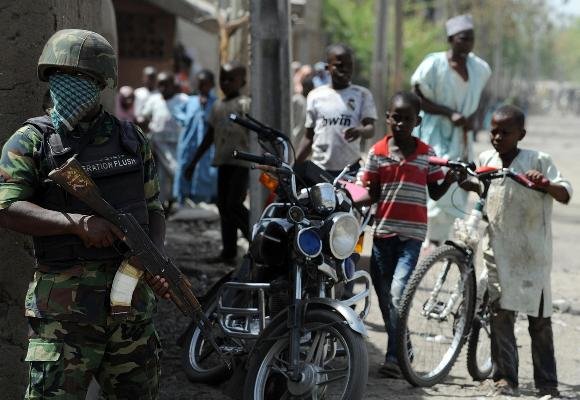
[(256, 126), (265, 159), (245, 123)]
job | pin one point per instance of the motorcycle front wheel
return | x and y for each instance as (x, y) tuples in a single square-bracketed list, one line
[(333, 360)]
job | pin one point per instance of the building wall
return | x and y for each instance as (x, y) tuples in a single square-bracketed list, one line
[(308, 41), (200, 44), (146, 36), (20, 98)]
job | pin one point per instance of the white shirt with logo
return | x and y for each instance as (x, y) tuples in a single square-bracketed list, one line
[(331, 112)]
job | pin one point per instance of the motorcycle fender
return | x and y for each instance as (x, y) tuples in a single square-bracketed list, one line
[(349, 315)]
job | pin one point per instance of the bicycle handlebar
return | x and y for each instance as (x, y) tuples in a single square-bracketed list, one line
[(520, 178), (442, 162)]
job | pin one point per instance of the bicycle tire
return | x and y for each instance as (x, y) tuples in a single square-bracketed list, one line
[(437, 374), (477, 371)]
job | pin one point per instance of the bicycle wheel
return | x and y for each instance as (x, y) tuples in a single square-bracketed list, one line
[(479, 362), (435, 313)]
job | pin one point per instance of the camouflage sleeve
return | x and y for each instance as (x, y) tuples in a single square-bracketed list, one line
[(18, 171), (150, 178)]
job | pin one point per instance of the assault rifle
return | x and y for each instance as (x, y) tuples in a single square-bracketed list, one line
[(72, 178)]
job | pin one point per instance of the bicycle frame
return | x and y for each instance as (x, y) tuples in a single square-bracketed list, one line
[(466, 241), (430, 308)]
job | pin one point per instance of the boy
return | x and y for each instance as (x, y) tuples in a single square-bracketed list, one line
[(143, 93), (518, 253), (233, 175), (398, 175), (160, 112), (337, 116), (193, 116)]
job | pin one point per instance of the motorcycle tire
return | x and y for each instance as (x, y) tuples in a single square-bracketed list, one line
[(278, 338), (460, 326), (195, 372)]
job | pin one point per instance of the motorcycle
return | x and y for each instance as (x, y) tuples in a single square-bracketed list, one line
[(279, 316)]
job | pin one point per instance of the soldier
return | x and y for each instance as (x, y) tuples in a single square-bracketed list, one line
[(73, 336)]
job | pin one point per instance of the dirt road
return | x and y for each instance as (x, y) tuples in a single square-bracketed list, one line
[(188, 242)]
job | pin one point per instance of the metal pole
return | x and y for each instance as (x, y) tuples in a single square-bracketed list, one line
[(497, 54), (379, 66), (398, 75), (270, 78)]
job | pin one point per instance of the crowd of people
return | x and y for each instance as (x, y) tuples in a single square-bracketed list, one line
[(191, 141)]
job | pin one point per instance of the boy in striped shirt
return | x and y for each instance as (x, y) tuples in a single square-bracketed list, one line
[(398, 175)]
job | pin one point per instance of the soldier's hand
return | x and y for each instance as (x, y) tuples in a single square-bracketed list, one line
[(97, 232), (159, 285)]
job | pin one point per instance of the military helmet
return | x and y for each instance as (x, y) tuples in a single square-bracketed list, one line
[(77, 50)]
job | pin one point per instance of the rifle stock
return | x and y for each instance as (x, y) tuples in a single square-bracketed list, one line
[(73, 179)]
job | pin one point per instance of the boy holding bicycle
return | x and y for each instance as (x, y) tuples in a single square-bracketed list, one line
[(517, 250), (399, 176)]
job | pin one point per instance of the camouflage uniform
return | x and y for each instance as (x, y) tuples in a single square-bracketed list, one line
[(72, 336)]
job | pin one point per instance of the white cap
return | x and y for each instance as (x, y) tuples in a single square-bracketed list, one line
[(458, 24)]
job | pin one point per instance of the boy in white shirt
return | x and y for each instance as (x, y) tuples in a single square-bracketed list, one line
[(338, 115)]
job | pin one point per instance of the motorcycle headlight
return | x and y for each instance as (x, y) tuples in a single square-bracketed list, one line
[(343, 234), (323, 197), (308, 242)]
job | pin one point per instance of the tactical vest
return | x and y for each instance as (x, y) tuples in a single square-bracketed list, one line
[(117, 169)]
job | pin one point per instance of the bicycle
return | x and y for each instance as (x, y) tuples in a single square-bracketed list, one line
[(441, 296)]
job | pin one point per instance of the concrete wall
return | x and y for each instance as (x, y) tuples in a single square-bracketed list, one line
[(26, 25), (146, 23), (308, 41), (202, 44)]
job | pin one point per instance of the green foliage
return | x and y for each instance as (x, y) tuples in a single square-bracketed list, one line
[(352, 22), (420, 37), (566, 47), (517, 34)]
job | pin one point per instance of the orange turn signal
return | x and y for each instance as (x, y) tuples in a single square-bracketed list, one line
[(359, 244), (269, 181)]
